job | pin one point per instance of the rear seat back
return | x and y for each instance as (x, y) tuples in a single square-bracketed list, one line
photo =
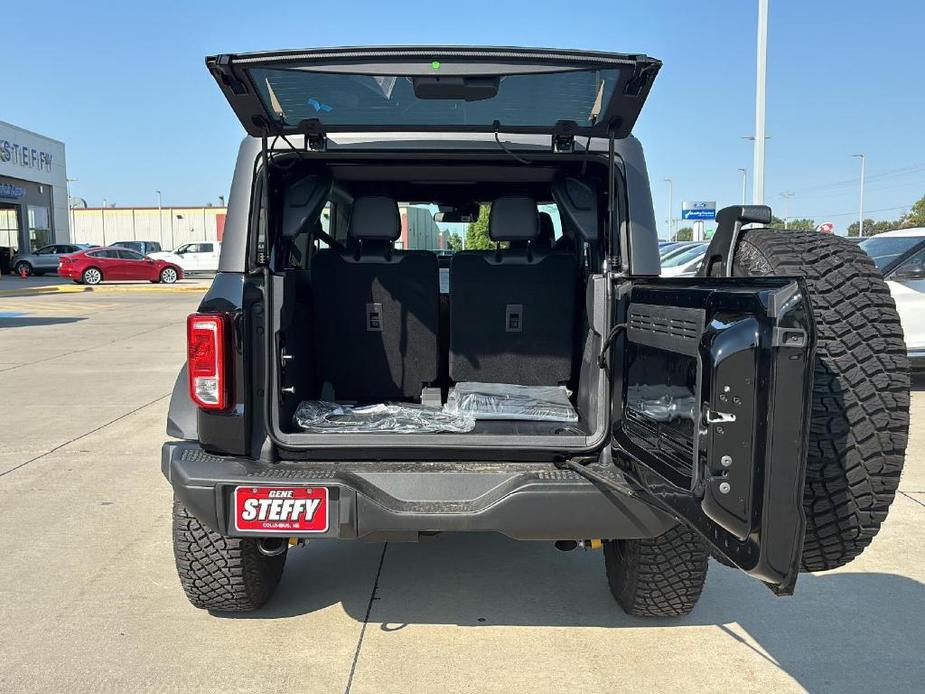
[(512, 312), (376, 310)]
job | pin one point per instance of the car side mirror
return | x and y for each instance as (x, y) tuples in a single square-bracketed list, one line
[(913, 272)]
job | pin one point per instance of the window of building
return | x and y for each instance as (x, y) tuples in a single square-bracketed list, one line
[(39, 226)]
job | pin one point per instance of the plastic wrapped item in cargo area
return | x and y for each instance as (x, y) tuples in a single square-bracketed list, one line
[(508, 401), (320, 417), (662, 403)]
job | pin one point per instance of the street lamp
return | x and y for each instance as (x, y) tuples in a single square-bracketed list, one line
[(70, 208), (221, 199), (744, 183), (760, 80), (863, 159), (670, 204), (786, 196)]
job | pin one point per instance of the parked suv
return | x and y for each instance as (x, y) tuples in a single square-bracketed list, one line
[(44, 259), (558, 389)]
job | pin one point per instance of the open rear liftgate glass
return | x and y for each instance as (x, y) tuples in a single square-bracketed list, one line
[(716, 381)]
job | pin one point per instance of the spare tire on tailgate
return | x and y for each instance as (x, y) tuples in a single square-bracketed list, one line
[(860, 409)]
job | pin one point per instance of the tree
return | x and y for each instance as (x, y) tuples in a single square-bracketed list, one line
[(872, 228), (916, 216), (685, 234), (477, 238), (454, 242), (804, 224)]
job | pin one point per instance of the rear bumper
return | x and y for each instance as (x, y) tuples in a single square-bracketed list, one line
[(399, 501)]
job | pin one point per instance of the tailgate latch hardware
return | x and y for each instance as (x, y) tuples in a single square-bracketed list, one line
[(711, 417)]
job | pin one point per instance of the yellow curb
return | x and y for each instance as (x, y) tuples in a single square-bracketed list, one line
[(115, 288), (78, 289), (49, 289)]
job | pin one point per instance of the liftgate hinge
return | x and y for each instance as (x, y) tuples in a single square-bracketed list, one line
[(223, 71)]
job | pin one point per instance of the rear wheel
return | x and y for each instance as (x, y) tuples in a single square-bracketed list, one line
[(659, 576), (860, 404), (91, 275), (220, 573), (168, 275)]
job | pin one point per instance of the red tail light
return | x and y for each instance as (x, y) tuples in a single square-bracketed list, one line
[(205, 359)]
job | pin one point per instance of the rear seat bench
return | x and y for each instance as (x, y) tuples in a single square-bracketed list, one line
[(512, 311), (376, 311)]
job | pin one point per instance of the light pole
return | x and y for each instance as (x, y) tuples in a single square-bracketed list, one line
[(160, 219), (670, 204), (103, 218), (760, 80), (70, 209), (744, 183), (786, 196), (221, 199), (863, 159)]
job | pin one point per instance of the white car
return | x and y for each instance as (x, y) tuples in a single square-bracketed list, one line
[(900, 255), (201, 256)]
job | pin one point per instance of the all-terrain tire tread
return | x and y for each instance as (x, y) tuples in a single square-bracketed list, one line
[(661, 576), (219, 573), (860, 406)]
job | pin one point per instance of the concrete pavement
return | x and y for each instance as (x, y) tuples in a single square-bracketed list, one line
[(89, 599)]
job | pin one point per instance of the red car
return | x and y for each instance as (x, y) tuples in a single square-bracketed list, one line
[(98, 264)]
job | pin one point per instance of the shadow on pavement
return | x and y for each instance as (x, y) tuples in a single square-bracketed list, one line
[(869, 624), (27, 321)]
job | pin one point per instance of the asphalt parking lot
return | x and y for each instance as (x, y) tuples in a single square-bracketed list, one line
[(89, 599)]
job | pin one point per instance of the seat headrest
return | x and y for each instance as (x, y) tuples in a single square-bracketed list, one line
[(513, 219), (547, 231), (375, 218)]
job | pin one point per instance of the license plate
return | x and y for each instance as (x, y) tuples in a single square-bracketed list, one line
[(281, 509)]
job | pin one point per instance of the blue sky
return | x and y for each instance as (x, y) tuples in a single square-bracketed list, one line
[(125, 88)]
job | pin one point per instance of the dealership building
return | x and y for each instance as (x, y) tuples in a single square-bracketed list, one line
[(33, 189), (34, 208)]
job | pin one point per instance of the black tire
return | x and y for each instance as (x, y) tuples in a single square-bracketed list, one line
[(168, 275), (92, 275), (860, 406), (222, 573), (23, 266), (657, 577)]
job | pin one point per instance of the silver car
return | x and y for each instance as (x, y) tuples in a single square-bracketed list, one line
[(45, 259)]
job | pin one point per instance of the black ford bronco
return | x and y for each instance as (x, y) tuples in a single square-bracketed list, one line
[(349, 378)]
